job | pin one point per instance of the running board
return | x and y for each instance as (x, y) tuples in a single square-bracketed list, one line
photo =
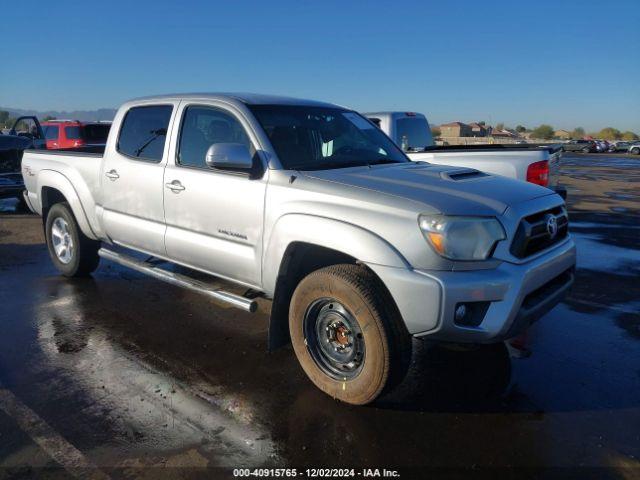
[(180, 280)]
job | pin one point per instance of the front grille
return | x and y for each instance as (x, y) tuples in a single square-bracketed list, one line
[(534, 232)]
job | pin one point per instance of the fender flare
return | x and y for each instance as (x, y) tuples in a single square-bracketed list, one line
[(58, 181), (344, 237)]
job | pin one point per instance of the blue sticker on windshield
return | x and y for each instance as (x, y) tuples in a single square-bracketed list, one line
[(358, 121)]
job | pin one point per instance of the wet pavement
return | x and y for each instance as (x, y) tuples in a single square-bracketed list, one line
[(119, 374)]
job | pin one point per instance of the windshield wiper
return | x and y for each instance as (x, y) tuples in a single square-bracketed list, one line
[(155, 134), (337, 164), (327, 165), (382, 160)]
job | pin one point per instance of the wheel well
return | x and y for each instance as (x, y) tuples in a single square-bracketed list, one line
[(49, 197), (299, 259)]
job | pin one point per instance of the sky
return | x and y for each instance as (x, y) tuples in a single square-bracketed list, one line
[(567, 63)]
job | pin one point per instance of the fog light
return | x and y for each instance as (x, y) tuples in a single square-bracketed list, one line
[(470, 314), (461, 311)]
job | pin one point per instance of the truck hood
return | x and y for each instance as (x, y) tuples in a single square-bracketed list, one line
[(444, 189)]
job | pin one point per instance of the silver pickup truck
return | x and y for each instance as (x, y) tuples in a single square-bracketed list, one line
[(310, 205), (533, 163)]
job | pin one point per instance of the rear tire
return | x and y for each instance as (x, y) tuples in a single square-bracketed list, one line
[(348, 334), (72, 252), (635, 151)]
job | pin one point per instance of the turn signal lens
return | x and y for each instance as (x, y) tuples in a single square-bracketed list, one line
[(462, 238), (437, 241)]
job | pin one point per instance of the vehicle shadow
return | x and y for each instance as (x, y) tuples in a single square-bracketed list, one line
[(450, 378)]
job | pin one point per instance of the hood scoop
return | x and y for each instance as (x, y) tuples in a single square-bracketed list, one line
[(463, 174)]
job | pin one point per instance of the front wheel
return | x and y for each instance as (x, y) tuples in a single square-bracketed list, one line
[(72, 252), (347, 333), (635, 151)]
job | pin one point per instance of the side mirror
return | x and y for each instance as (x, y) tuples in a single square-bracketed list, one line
[(229, 155)]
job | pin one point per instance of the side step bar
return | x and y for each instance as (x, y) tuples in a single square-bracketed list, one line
[(179, 280)]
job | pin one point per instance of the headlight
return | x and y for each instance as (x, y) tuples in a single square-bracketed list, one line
[(462, 238)]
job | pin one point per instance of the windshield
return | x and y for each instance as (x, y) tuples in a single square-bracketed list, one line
[(320, 138)]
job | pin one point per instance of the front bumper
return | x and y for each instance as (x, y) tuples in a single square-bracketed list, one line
[(516, 294)]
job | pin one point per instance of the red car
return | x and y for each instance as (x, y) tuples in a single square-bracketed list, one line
[(63, 134)]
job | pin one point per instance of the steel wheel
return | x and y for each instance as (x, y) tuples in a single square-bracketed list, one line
[(334, 339), (347, 336), (62, 240)]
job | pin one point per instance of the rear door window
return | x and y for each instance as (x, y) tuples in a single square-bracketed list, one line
[(50, 132), (413, 133), (144, 131), (73, 133)]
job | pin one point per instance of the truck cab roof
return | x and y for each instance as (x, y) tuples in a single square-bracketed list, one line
[(246, 98)]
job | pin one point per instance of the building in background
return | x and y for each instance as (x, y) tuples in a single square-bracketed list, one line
[(455, 129), (503, 134), (478, 130), (562, 134)]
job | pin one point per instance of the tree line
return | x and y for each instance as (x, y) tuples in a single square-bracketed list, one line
[(547, 132)]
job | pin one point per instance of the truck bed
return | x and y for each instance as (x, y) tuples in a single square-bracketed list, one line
[(551, 148), (89, 150), (507, 160), (77, 168)]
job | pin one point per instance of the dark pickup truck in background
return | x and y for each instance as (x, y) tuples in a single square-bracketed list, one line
[(11, 148), (584, 146)]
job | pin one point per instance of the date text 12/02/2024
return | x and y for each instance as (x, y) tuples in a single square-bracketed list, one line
[(316, 473)]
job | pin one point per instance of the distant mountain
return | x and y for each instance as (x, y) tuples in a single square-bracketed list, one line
[(82, 115)]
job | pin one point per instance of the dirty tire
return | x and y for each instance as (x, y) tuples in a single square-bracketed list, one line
[(387, 342), (84, 259)]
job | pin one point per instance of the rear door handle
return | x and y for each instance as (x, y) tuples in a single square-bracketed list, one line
[(175, 186), (112, 174)]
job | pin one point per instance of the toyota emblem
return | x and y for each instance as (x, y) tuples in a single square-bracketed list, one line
[(552, 226)]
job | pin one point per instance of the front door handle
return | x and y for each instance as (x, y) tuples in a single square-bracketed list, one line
[(175, 186), (112, 174)]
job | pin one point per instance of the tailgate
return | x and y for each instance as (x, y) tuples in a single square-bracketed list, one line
[(554, 168)]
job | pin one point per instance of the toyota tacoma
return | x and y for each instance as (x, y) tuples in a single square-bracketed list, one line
[(310, 205)]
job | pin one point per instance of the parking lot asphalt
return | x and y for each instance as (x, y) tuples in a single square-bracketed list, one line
[(112, 375)]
